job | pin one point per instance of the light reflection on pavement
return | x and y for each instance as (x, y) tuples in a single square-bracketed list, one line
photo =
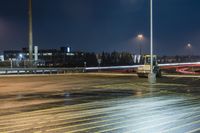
[(100, 108)]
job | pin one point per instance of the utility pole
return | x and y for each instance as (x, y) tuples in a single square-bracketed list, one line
[(30, 34)]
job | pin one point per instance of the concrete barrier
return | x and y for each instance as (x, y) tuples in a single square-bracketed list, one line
[(5, 71)]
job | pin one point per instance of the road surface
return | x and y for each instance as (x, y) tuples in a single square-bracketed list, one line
[(87, 103)]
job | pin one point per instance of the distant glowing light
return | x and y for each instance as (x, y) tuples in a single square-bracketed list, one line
[(21, 55), (68, 49), (189, 45), (140, 36)]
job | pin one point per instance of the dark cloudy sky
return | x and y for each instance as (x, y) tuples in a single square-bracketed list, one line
[(102, 25)]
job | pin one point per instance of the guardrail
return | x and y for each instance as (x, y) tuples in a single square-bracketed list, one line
[(5, 71)]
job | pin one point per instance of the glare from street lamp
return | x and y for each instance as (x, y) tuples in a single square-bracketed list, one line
[(140, 36), (21, 55), (189, 45)]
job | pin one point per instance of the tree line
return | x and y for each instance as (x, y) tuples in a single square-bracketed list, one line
[(87, 59)]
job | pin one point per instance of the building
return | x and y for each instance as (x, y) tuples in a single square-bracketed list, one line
[(62, 57)]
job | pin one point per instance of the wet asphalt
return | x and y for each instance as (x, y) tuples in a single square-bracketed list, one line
[(101, 104)]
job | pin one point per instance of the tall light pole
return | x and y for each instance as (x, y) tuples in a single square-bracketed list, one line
[(30, 34), (151, 30), (140, 38), (152, 76)]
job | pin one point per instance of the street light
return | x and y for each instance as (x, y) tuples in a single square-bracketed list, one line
[(189, 47), (140, 38), (20, 55), (151, 76)]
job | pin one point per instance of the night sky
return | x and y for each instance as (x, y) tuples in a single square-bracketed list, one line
[(102, 25)]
